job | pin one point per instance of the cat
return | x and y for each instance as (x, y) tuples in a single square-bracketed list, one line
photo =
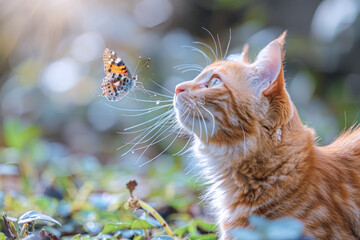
[(259, 158)]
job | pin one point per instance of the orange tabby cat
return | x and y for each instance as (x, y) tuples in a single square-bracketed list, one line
[(259, 158)]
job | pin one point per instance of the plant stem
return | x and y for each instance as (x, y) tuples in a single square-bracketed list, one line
[(158, 217), (23, 230), (13, 228)]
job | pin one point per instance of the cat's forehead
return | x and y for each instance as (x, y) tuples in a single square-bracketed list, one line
[(226, 69), (219, 67)]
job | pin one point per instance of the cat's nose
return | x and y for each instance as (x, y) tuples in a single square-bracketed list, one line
[(181, 87), (178, 89)]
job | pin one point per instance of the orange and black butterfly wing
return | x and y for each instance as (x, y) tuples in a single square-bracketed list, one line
[(114, 64), (116, 86), (118, 81)]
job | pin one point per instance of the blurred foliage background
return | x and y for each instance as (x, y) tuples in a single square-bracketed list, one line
[(60, 137)]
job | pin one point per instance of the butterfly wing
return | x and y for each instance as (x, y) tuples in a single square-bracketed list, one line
[(116, 86), (114, 64), (118, 81)]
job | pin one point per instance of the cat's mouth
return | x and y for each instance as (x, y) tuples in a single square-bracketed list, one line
[(194, 116)]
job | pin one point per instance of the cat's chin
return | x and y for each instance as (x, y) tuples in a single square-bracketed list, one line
[(185, 122), (194, 117), (190, 121)]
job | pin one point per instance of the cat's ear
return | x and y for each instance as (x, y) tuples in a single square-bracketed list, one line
[(269, 81), (242, 57), (244, 54), (269, 68)]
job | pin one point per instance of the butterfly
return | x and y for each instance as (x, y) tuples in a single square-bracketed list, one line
[(118, 81)]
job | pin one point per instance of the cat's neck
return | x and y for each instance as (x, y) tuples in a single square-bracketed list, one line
[(254, 168)]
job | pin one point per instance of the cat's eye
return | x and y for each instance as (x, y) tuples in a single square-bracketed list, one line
[(214, 81)]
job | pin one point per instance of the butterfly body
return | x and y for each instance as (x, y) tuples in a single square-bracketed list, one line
[(118, 81)]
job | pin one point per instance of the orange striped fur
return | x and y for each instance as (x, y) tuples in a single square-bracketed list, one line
[(260, 158)]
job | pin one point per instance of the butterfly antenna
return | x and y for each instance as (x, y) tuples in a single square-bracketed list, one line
[(137, 65), (145, 65)]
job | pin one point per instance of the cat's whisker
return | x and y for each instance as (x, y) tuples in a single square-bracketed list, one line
[(207, 46), (180, 66), (162, 87), (157, 136), (228, 45), (142, 130), (188, 141), (150, 111), (137, 131), (150, 120), (205, 127), (151, 101), (147, 140), (207, 59), (189, 67), (186, 151), (160, 94), (213, 119), (137, 110), (147, 131), (131, 149), (161, 123), (220, 48), (163, 150), (154, 140), (179, 153), (182, 152), (191, 70), (216, 48), (200, 128)]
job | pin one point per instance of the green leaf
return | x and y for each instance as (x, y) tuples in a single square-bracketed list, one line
[(162, 237), (77, 236), (141, 224), (192, 228), (181, 231), (36, 216), (2, 236), (114, 227), (138, 237), (18, 135), (210, 236), (208, 227)]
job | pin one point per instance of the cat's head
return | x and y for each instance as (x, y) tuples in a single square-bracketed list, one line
[(235, 99)]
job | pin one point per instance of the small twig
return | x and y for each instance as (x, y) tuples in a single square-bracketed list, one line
[(23, 232), (10, 227), (157, 216), (137, 203)]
